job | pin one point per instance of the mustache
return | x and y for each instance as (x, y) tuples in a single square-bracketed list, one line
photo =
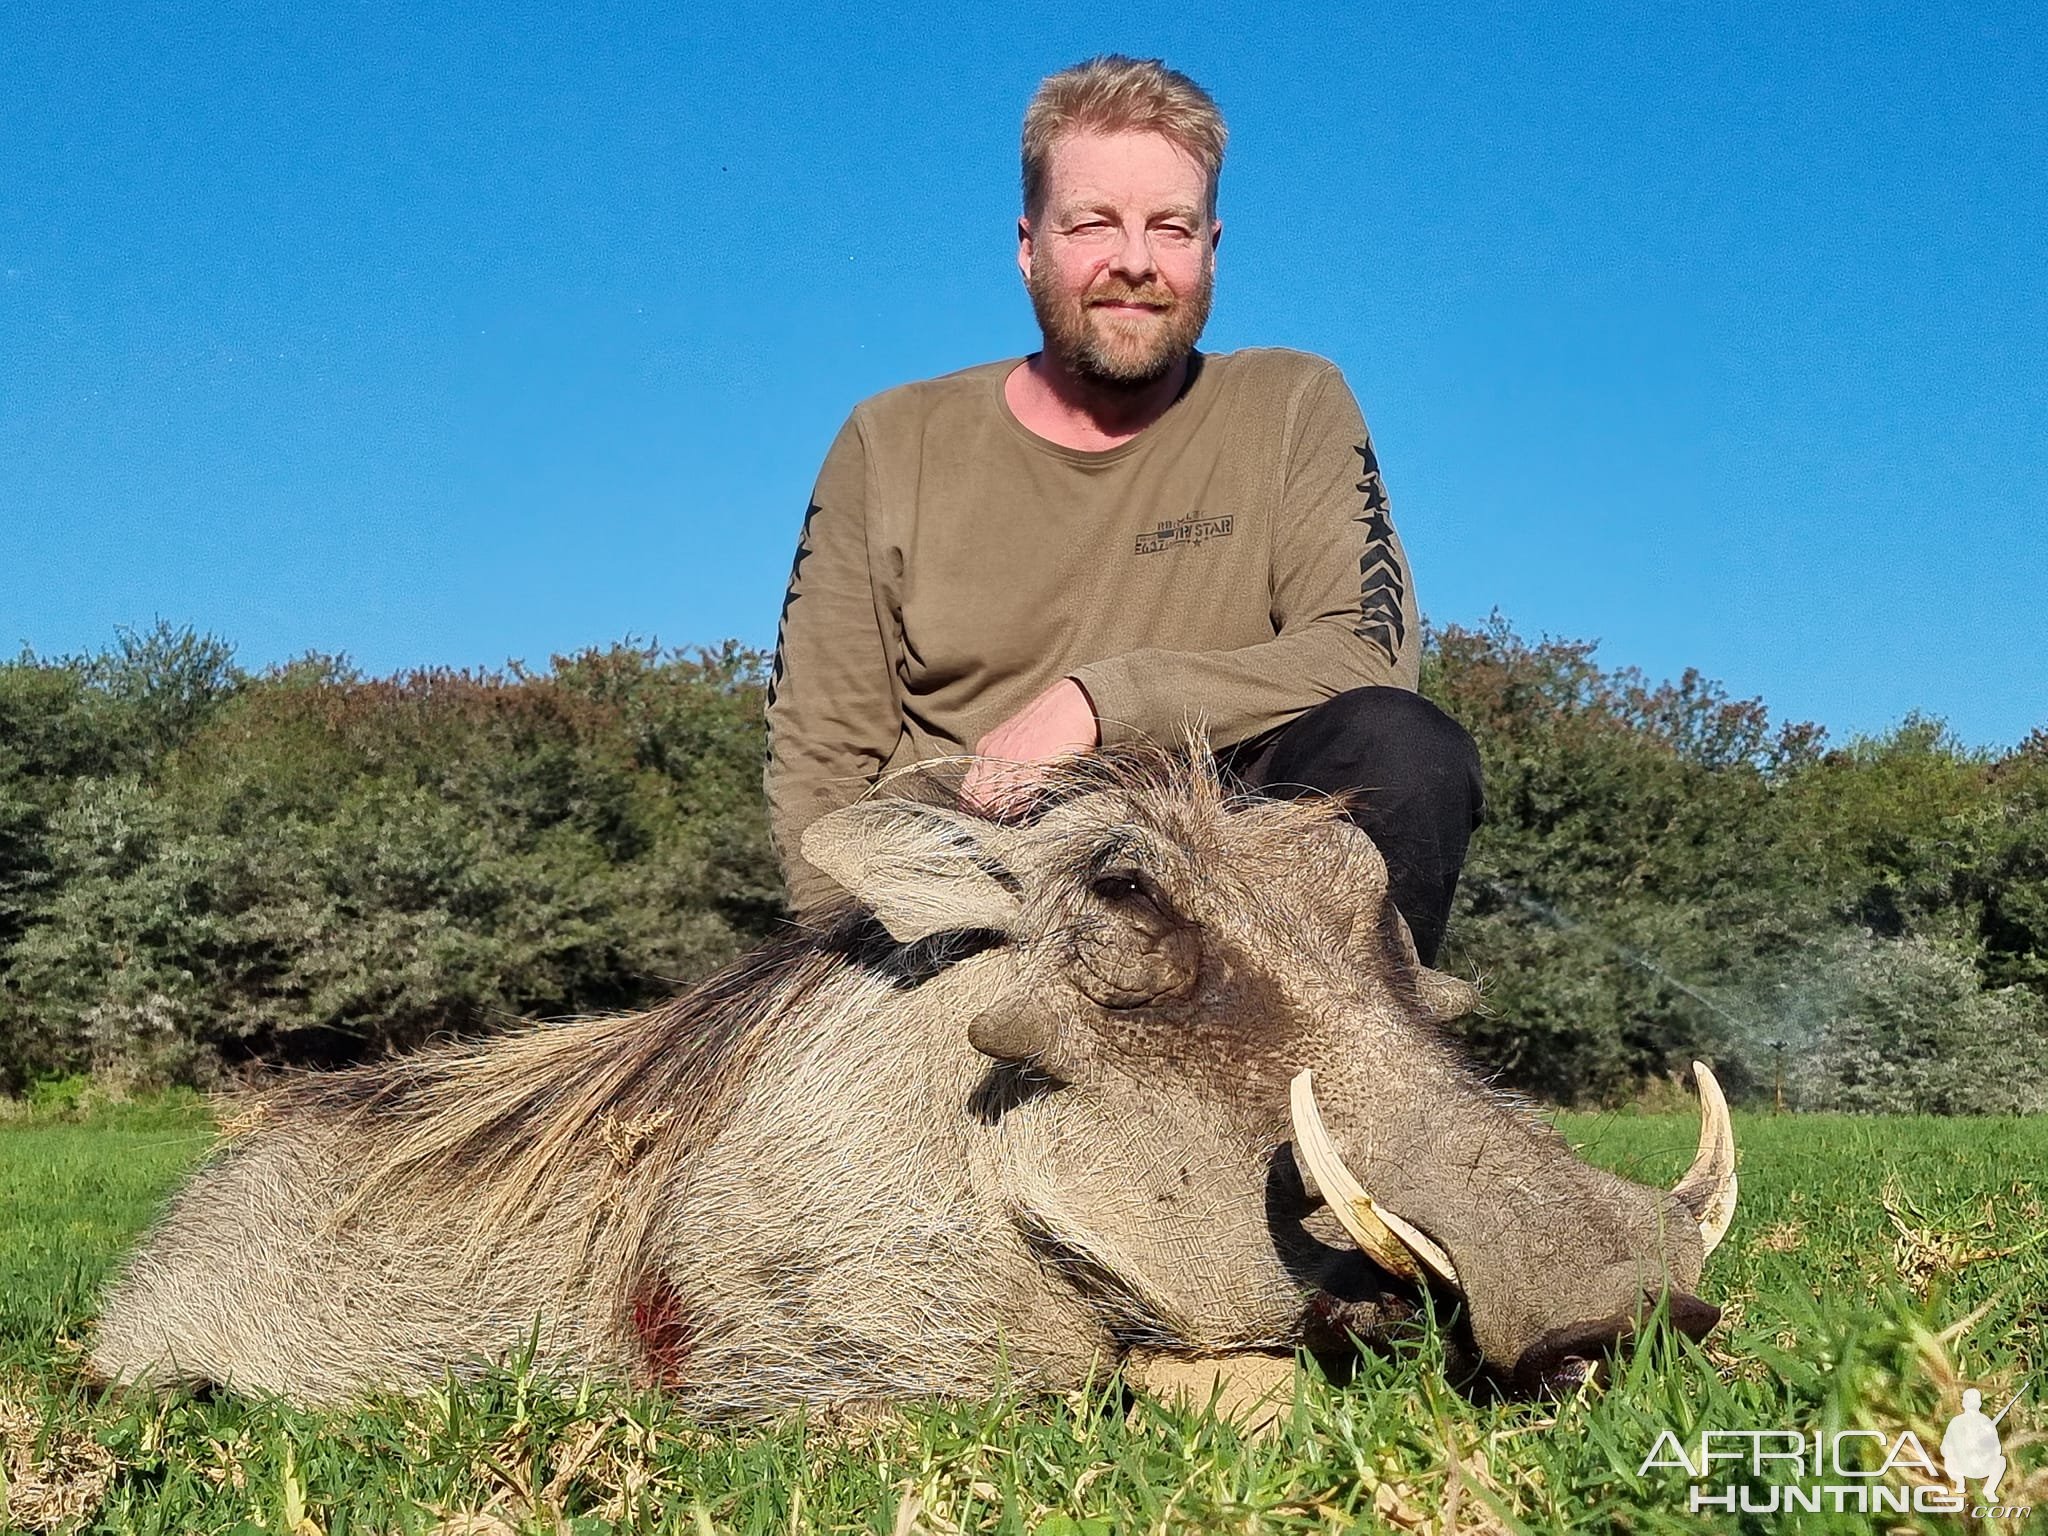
[(1123, 293)]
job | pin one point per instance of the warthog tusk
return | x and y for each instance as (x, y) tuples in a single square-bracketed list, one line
[(1708, 1188), (1382, 1236)]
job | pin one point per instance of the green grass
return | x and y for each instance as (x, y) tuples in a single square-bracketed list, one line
[(1875, 1267)]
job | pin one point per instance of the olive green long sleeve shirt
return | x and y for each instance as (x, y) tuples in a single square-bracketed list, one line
[(1230, 567)]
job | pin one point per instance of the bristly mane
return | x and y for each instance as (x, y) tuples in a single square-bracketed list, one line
[(1175, 786), (587, 1120)]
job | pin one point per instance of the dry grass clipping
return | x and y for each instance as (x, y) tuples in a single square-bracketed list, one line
[(1785, 1237), (48, 1478), (1923, 1253)]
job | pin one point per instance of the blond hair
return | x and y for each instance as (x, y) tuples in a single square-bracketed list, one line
[(1113, 93)]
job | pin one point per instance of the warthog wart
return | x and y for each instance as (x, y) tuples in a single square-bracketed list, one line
[(1027, 1106)]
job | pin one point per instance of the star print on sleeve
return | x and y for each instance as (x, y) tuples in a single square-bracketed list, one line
[(803, 549), (1381, 585)]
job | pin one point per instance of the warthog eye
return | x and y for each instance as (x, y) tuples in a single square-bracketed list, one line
[(1118, 885)]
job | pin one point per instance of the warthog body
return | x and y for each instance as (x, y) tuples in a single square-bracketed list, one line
[(1022, 1111)]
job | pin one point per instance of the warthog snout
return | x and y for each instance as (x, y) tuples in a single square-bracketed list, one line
[(1566, 1358), (1551, 1296)]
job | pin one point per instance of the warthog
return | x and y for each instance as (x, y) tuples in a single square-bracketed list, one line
[(1028, 1105)]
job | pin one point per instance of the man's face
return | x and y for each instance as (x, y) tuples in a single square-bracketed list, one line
[(1121, 259)]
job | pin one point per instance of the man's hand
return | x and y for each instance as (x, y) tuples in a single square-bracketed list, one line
[(1058, 723)]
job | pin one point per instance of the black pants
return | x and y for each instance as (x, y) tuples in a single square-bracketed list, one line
[(1412, 773)]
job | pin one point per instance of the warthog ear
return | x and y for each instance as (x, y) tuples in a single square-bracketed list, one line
[(1447, 997), (920, 869), (1378, 923), (1444, 995)]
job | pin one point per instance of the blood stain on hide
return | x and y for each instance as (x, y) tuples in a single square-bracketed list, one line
[(666, 1328)]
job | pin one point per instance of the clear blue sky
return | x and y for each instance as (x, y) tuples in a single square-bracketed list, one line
[(450, 334)]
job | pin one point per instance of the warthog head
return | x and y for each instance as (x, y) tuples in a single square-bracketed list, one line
[(1226, 980)]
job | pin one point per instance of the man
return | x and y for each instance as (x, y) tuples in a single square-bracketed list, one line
[(1118, 536)]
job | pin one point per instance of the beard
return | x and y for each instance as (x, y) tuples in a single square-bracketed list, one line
[(1118, 352)]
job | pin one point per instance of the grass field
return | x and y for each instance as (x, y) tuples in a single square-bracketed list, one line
[(1876, 1267)]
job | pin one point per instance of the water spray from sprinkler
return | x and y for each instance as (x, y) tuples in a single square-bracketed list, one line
[(1557, 919)]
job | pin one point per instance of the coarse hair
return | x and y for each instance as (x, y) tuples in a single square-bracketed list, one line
[(1114, 93)]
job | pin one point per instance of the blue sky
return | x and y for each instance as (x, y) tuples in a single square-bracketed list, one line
[(440, 334)]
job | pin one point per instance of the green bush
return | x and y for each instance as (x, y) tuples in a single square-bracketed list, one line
[(1906, 1026), (311, 865), (1660, 864)]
